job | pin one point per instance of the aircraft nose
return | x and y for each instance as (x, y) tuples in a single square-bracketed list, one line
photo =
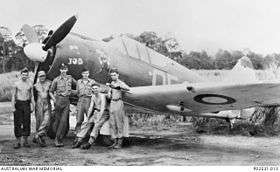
[(35, 52)]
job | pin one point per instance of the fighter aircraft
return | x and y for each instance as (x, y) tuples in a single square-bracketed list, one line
[(157, 82)]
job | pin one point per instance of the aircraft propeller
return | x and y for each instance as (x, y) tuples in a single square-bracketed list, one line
[(37, 51), (31, 50), (61, 32)]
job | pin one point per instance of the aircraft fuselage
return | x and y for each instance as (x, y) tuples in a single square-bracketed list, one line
[(137, 64)]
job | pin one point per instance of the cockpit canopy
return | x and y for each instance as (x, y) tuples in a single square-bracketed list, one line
[(139, 51)]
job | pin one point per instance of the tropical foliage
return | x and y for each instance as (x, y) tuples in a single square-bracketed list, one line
[(12, 57)]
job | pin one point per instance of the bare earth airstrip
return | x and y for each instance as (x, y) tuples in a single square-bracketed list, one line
[(177, 145)]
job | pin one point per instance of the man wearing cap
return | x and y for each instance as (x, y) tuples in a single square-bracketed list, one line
[(118, 119), (98, 114), (84, 92), (22, 105), (42, 108), (61, 87)]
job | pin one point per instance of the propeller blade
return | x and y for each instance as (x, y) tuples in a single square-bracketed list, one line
[(30, 33), (61, 32), (36, 72)]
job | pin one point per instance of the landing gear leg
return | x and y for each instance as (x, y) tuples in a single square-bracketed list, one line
[(230, 122)]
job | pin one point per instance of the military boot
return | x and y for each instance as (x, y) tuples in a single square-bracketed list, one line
[(41, 141), (34, 140), (58, 143), (77, 144), (90, 142), (25, 142), (114, 144), (86, 146), (17, 143)]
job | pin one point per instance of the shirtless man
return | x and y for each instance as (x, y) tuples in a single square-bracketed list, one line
[(22, 104)]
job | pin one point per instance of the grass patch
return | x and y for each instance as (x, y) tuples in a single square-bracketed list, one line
[(156, 121), (7, 81)]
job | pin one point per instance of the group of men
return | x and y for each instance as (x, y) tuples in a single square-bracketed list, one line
[(98, 108)]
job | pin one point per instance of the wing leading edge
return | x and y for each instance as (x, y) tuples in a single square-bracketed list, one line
[(205, 97)]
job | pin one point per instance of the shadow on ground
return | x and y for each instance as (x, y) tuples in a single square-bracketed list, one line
[(144, 149)]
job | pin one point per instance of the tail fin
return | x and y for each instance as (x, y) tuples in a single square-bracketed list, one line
[(243, 71)]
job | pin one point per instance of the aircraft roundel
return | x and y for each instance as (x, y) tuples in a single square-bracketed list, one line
[(214, 99)]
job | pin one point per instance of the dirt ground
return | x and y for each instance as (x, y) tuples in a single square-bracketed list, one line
[(177, 145)]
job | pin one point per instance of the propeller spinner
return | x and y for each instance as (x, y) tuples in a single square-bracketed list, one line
[(36, 51)]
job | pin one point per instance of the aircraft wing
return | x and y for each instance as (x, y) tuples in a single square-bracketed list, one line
[(206, 97)]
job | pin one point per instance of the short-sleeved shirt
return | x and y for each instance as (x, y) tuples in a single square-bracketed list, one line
[(62, 85), (23, 90), (115, 93), (84, 87), (43, 89)]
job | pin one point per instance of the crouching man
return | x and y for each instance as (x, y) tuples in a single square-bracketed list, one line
[(42, 108), (98, 114), (22, 96)]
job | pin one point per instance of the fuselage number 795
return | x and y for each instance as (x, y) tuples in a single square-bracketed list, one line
[(75, 61)]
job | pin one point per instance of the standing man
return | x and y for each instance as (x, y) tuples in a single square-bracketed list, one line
[(98, 114), (118, 119), (84, 92), (61, 87), (22, 96), (42, 108)]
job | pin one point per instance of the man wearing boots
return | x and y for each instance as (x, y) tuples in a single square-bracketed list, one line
[(98, 115), (42, 108), (118, 119), (22, 96), (61, 87), (84, 92)]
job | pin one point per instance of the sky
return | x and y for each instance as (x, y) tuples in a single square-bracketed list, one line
[(197, 24)]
